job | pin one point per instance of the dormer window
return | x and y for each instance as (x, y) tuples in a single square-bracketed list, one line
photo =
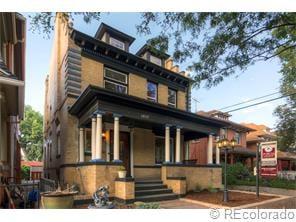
[(155, 60), (116, 43), (114, 37)]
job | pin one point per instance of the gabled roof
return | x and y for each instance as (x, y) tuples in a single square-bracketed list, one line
[(113, 32), (286, 155), (153, 51), (259, 132)]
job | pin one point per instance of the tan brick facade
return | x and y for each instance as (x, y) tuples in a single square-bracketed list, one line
[(163, 94), (177, 185), (137, 86), (92, 73), (89, 178), (181, 100), (144, 154), (203, 177), (125, 190), (147, 173)]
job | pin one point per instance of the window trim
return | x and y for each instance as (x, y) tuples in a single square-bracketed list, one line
[(171, 104), (115, 80), (156, 94), (115, 83), (237, 137), (116, 40), (156, 58)]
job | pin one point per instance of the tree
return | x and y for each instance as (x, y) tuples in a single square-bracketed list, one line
[(43, 22), (286, 126), (215, 45), (219, 44), (31, 139)]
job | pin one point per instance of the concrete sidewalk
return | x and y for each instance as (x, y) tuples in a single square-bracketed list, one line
[(180, 204)]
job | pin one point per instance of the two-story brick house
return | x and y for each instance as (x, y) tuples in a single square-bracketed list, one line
[(106, 107), (202, 153)]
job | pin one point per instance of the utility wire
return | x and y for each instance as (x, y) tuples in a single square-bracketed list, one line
[(251, 100), (265, 101)]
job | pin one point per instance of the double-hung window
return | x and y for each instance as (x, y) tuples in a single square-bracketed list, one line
[(152, 91), (116, 43), (155, 60), (172, 98), (115, 81), (237, 137)]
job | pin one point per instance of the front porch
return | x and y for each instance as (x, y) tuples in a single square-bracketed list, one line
[(149, 139)]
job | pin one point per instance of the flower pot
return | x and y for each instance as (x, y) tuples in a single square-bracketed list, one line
[(57, 200), (122, 174)]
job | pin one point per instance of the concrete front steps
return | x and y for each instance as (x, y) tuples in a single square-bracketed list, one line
[(153, 190)]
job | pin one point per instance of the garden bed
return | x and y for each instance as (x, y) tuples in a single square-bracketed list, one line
[(235, 198)]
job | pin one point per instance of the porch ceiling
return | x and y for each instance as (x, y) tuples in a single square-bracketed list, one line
[(138, 112)]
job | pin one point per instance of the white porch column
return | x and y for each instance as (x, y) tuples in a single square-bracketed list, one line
[(93, 138), (81, 145), (178, 145), (99, 140), (217, 154), (210, 150), (167, 144), (116, 140)]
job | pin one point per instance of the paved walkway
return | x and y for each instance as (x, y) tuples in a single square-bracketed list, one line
[(179, 204)]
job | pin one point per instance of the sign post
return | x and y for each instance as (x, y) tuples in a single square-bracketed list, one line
[(257, 169)]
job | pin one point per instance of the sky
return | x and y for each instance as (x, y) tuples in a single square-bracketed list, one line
[(258, 80)]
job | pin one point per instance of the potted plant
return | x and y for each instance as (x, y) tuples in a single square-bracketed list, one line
[(122, 172), (59, 199)]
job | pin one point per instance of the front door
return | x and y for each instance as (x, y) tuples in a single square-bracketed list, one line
[(124, 149)]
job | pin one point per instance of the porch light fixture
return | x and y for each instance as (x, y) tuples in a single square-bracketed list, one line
[(226, 145)]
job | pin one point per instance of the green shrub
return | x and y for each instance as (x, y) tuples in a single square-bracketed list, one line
[(236, 172), (25, 172), (198, 188), (212, 190), (268, 182)]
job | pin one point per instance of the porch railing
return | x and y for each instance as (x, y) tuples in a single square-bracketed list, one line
[(47, 185)]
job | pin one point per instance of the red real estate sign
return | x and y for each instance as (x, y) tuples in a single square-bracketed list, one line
[(268, 171), (269, 154)]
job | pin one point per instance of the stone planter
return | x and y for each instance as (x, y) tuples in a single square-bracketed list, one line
[(57, 200), (122, 174)]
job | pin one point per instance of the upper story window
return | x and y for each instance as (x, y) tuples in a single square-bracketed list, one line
[(172, 98), (223, 133), (155, 60), (115, 81), (237, 137), (116, 43), (152, 91)]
